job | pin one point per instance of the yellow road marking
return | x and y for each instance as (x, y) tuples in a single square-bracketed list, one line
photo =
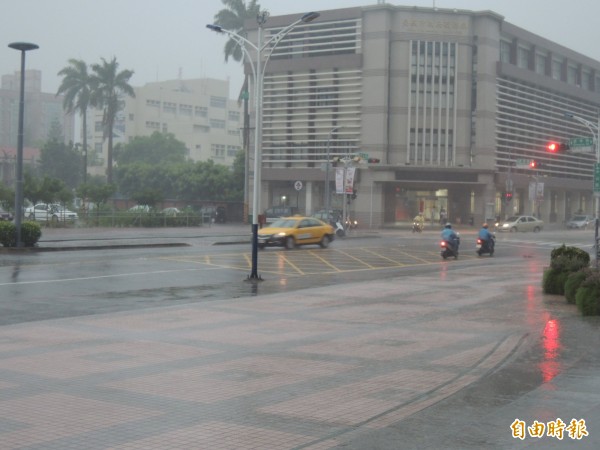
[(325, 262)]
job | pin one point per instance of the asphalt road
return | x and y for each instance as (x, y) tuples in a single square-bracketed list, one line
[(44, 285)]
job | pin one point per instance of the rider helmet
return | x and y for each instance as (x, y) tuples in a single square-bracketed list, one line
[(448, 225), (485, 225)]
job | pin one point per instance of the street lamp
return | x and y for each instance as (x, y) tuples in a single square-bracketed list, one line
[(258, 74), (328, 163), (594, 129), (22, 47)]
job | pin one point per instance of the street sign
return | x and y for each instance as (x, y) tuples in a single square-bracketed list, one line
[(364, 156), (596, 177), (522, 163), (581, 142), (298, 185)]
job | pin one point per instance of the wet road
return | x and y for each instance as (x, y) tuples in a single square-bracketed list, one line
[(37, 286)]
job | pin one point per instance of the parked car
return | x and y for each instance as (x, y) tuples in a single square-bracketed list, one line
[(580, 222), (51, 212), (333, 215), (216, 214), (171, 212), (5, 215), (522, 223), (139, 209), (290, 232), (275, 212)]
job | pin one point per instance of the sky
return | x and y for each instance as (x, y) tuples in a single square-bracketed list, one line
[(167, 39)]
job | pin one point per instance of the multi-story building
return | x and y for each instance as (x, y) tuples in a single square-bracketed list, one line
[(41, 111), (453, 104), (197, 112)]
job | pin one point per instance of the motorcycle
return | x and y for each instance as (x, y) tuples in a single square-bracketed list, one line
[(351, 223), (484, 247), (339, 228), (447, 250), (417, 227)]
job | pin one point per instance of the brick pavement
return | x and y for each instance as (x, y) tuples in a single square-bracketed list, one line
[(309, 369)]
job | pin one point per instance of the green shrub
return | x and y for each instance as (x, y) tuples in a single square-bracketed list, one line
[(572, 253), (553, 281), (587, 297), (8, 234), (574, 281), (30, 233)]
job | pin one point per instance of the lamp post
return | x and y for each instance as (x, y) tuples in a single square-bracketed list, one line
[(258, 74), (594, 129), (328, 163), (22, 47)]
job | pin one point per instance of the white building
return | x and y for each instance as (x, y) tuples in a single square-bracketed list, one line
[(198, 112)]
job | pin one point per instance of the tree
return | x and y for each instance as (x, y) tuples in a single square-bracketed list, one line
[(77, 89), (58, 160), (108, 88), (159, 148), (232, 18)]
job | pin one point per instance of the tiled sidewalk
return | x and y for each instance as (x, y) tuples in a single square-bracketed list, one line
[(305, 370)]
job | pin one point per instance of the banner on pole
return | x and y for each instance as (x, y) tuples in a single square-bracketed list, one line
[(339, 180)]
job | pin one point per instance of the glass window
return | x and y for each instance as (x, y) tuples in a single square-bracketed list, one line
[(557, 68), (218, 102), (540, 63), (572, 74), (523, 57), (201, 111), (505, 51)]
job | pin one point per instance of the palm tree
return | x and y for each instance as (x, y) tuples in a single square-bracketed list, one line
[(77, 89), (232, 18), (108, 88)]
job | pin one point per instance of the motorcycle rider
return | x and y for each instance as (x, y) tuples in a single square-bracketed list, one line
[(486, 236), (419, 220), (450, 236)]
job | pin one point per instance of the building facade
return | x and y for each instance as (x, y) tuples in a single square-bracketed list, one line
[(453, 104), (197, 112)]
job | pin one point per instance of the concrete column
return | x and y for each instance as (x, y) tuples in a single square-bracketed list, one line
[(308, 197)]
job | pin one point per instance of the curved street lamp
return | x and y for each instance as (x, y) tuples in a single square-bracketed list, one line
[(258, 74), (595, 130), (22, 47)]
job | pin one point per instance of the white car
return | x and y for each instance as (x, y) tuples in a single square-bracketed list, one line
[(580, 222), (522, 223), (52, 212)]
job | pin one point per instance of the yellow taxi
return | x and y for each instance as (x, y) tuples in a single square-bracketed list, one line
[(290, 232)]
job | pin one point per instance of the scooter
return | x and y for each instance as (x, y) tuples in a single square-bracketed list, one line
[(417, 227), (484, 247), (447, 251), (339, 228)]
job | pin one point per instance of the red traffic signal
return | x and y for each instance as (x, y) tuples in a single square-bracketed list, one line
[(533, 164), (557, 147), (508, 196)]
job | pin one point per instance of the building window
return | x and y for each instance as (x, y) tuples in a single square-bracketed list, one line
[(217, 123), (234, 116), (153, 103), (131, 117), (201, 111), (185, 110), (231, 132), (218, 150), (586, 80), (233, 150), (153, 125), (505, 51), (98, 127), (201, 129), (540, 63), (523, 57), (218, 102), (572, 74), (165, 128), (557, 69), (170, 107)]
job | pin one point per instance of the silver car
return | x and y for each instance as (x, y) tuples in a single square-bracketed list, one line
[(52, 212), (580, 222), (522, 223)]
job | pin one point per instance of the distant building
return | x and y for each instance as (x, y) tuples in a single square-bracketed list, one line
[(450, 105), (197, 112), (41, 111)]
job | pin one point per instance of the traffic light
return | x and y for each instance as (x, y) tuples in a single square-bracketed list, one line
[(373, 160), (557, 147), (508, 196), (533, 164)]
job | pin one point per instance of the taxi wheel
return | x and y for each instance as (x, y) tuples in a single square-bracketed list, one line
[(325, 241), (290, 243)]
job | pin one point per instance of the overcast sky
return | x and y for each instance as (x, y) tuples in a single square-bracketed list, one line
[(161, 39)]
